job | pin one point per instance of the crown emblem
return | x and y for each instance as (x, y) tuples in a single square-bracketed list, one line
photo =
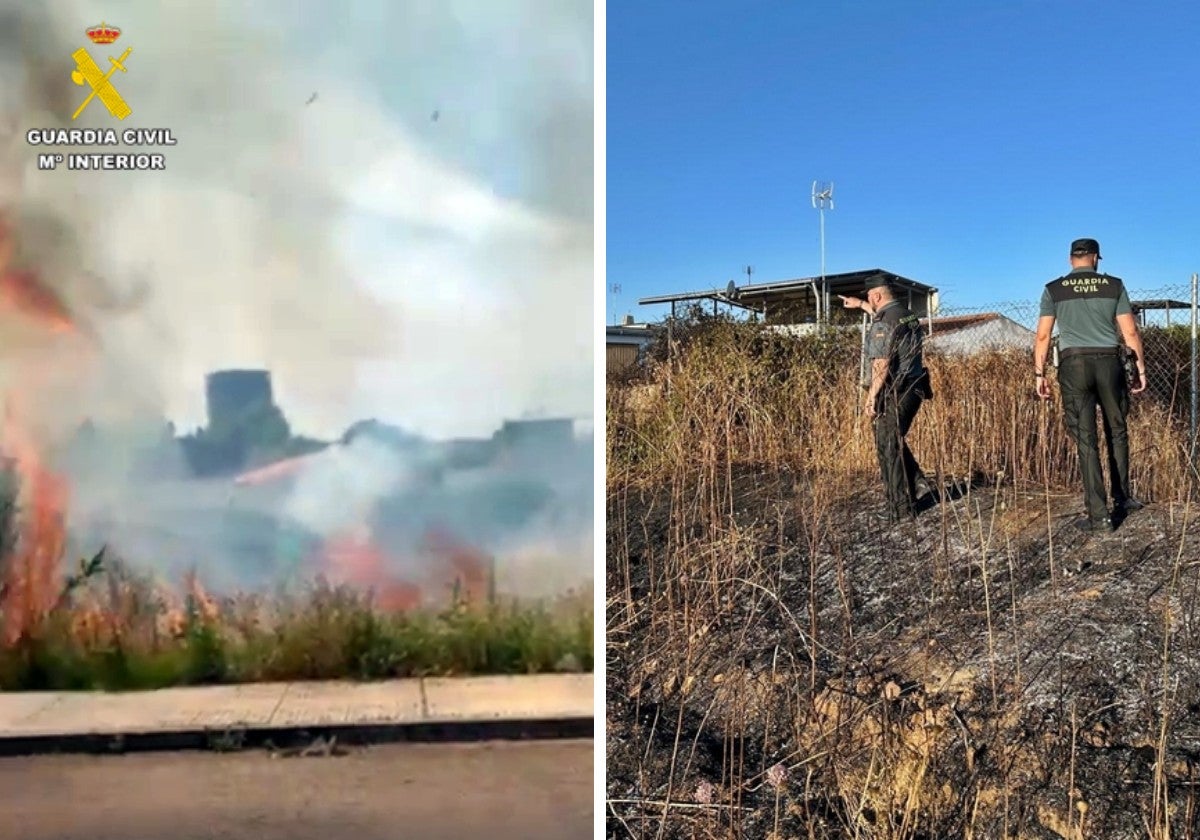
[(103, 34)]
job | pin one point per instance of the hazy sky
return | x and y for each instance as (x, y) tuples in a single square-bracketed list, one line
[(969, 143), (414, 243)]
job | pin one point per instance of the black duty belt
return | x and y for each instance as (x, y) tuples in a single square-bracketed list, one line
[(1067, 352)]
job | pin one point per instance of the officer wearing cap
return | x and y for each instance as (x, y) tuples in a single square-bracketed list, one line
[(899, 384), (1093, 314)]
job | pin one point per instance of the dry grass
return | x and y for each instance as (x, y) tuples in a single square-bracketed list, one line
[(739, 395), (780, 667), (112, 629), (105, 626)]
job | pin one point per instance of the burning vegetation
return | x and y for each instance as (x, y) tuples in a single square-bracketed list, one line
[(245, 502), (30, 576), (363, 594), (370, 546)]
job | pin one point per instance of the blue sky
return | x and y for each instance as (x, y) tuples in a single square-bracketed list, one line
[(969, 143)]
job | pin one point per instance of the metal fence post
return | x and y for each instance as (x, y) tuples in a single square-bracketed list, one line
[(1195, 366), (862, 354)]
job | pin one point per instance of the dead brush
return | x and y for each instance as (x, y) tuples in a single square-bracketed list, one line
[(115, 629), (711, 598), (743, 396)]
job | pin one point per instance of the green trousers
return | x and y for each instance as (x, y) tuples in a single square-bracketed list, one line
[(1087, 381), (897, 410)]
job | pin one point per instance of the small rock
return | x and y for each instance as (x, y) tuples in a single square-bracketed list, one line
[(776, 776)]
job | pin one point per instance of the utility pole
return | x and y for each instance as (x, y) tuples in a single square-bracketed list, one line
[(1195, 364), (822, 200)]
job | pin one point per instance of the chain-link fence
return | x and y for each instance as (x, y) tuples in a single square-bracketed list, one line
[(1167, 317)]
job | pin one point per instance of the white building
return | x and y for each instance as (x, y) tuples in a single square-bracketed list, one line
[(986, 331)]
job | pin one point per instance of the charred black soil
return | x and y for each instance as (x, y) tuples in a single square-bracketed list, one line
[(782, 664)]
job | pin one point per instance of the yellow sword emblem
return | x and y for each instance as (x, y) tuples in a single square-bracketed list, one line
[(88, 71)]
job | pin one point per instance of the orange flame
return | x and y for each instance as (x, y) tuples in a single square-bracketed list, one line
[(31, 584), (32, 570), (22, 292), (352, 558), (467, 564)]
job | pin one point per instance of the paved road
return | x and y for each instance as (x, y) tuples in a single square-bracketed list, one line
[(498, 790)]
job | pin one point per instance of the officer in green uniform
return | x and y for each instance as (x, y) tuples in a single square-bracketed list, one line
[(1093, 314), (899, 384)]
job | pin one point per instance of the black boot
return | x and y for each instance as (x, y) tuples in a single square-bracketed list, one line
[(922, 486), (1094, 526)]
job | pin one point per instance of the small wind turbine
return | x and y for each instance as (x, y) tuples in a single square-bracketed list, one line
[(822, 200)]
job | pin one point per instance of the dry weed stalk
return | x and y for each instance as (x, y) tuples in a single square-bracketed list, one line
[(737, 408)]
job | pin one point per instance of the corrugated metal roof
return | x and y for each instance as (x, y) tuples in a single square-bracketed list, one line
[(850, 282), (954, 323)]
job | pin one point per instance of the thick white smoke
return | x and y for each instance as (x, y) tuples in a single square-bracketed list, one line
[(341, 488), (528, 509), (387, 205)]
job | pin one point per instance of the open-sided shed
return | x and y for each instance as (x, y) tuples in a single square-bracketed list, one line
[(806, 300)]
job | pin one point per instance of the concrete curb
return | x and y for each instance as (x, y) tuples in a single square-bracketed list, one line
[(290, 715)]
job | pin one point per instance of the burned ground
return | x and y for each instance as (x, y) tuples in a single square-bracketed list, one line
[(781, 665)]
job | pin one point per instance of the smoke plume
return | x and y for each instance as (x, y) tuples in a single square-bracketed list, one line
[(387, 205)]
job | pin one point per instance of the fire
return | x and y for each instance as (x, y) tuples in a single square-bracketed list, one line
[(31, 574), (31, 577), (20, 290), (468, 565), (352, 558)]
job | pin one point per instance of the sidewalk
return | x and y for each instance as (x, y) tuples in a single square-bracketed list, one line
[(286, 714)]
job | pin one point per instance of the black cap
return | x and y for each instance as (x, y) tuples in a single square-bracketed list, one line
[(1083, 247), (878, 281)]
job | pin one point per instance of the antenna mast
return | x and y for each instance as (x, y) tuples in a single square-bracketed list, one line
[(822, 200)]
